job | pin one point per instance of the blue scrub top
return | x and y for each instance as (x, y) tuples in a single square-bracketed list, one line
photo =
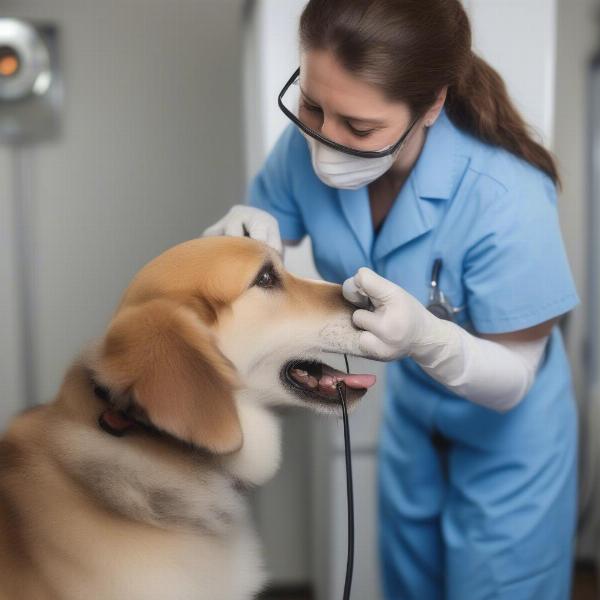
[(488, 214)]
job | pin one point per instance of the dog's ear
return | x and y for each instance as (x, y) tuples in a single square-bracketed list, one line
[(165, 357)]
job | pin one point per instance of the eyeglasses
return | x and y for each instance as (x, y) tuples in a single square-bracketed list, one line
[(289, 101)]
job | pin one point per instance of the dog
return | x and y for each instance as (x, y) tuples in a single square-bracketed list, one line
[(131, 484)]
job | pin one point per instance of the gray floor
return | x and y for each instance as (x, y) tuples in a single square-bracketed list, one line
[(585, 583), (288, 594), (585, 587)]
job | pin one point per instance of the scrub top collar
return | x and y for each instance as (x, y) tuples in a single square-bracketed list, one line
[(435, 176), (441, 163)]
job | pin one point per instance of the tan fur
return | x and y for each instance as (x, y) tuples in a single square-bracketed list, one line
[(195, 349)]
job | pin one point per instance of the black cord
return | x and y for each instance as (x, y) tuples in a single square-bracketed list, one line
[(341, 389)]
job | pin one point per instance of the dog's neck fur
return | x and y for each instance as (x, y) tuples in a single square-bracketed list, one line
[(151, 479)]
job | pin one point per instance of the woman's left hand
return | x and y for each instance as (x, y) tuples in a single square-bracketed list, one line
[(396, 322)]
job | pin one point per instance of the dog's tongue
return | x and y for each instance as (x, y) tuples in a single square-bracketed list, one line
[(325, 378), (356, 381)]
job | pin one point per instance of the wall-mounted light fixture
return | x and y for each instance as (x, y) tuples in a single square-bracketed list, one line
[(30, 82)]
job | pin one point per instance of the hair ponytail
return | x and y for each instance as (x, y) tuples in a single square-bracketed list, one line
[(411, 49), (479, 104)]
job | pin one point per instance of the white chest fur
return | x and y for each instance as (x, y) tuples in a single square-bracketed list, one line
[(177, 529)]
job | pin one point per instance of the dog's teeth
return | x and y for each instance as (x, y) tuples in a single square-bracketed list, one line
[(327, 381), (300, 372)]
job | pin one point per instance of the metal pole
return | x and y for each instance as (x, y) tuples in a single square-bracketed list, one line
[(25, 264)]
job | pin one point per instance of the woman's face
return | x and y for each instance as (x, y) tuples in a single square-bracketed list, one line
[(345, 109)]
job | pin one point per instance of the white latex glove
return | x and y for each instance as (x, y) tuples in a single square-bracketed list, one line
[(398, 322), (242, 220), (493, 374)]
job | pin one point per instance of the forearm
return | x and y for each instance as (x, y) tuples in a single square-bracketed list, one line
[(493, 374)]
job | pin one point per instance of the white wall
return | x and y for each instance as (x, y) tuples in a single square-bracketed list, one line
[(518, 38), (11, 373), (273, 48), (578, 36)]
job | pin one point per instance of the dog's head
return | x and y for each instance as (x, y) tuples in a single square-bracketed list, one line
[(214, 321)]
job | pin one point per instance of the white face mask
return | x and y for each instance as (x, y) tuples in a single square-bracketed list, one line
[(340, 170)]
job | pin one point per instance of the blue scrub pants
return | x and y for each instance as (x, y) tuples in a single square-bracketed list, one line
[(491, 516)]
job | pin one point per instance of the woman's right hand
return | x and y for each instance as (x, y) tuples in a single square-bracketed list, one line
[(242, 220)]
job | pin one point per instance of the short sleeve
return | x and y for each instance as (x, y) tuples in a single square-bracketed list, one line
[(516, 272), (272, 188)]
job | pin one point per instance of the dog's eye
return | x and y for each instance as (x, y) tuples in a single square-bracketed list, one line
[(266, 279)]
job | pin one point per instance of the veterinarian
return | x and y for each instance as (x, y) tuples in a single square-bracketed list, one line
[(421, 189)]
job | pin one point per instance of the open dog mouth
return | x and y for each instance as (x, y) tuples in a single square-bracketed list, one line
[(317, 381)]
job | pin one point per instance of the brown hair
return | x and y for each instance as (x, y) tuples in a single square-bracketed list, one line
[(411, 49)]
